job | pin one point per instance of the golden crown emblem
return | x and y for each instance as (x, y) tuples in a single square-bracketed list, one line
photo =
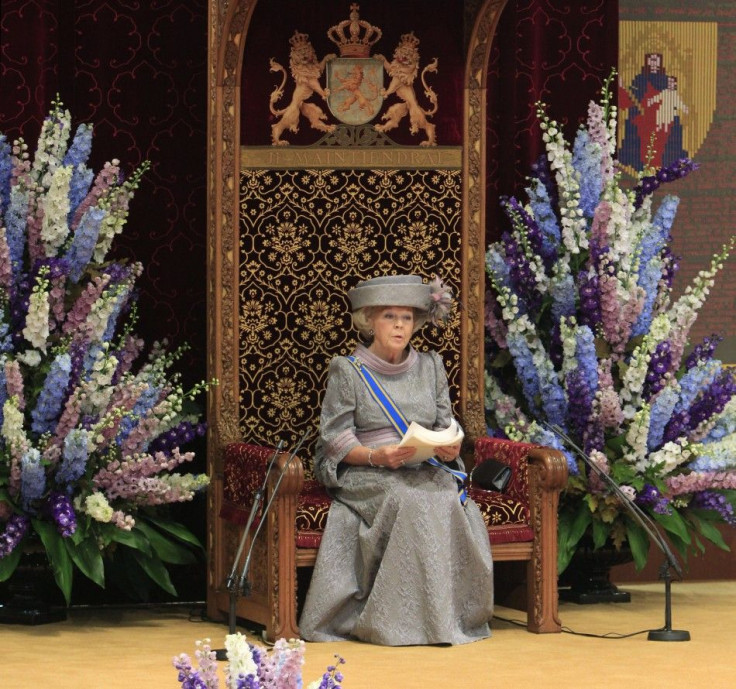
[(354, 37), (299, 39)]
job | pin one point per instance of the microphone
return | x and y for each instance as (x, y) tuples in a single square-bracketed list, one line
[(244, 585), (221, 654), (666, 633)]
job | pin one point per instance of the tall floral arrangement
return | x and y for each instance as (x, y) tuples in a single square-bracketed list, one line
[(585, 334), (90, 424)]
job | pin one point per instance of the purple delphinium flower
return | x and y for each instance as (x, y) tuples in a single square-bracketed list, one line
[(649, 184), (51, 398), (713, 399), (527, 225), (15, 529), (703, 351), (590, 306), (649, 496), (580, 403), (184, 433), (522, 277), (62, 512), (717, 502), (659, 365)]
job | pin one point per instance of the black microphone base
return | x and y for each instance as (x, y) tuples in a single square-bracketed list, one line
[(669, 635)]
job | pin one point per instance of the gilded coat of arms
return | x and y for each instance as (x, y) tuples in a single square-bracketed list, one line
[(354, 91)]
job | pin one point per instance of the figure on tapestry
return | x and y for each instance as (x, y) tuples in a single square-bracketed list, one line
[(653, 130)]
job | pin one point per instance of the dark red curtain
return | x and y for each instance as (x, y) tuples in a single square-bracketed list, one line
[(137, 71), (544, 50)]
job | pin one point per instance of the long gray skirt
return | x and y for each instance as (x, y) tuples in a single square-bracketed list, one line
[(401, 562)]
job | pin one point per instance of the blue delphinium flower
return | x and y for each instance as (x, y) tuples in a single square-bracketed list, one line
[(562, 291), (650, 274), (51, 398), (145, 402), (693, 382), (81, 146), (660, 414), (545, 215), (526, 370), (74, 457), (6, 171), (32, 479), (15, 227), (586, 356), (586, 159), (3, 396), (498, 268), (84, 241)]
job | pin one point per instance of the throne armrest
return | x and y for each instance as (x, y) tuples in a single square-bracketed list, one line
[(244, 473), (549, 465)]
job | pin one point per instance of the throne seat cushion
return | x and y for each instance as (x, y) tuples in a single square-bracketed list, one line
[(245, 467), (506, 518)]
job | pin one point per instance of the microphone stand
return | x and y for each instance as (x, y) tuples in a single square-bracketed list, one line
[(670, 562), (237, 585)]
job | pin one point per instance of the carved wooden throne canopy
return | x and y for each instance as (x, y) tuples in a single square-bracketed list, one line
[(293, 227)]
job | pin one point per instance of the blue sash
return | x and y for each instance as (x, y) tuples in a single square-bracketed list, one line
[(399, 422)]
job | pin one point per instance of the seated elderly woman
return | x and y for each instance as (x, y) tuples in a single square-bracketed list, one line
[(405, 557)]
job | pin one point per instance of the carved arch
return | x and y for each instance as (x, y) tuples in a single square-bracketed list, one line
[(228, 27)]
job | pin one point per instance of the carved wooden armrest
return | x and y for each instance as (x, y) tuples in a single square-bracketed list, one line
[(244, 473)]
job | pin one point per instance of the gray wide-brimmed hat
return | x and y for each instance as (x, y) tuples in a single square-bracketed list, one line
[(433, 301), (391, 290)]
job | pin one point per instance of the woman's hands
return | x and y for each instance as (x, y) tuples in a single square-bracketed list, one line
[(391, 456), (447, 453)]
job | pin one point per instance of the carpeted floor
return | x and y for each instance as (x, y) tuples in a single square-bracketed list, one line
[(112, 648)]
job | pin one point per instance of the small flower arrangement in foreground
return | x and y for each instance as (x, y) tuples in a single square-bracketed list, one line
[(89, 434), (250, 667), (585, 335)]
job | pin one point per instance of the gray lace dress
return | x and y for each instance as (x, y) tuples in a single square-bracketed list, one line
[(402, 561)]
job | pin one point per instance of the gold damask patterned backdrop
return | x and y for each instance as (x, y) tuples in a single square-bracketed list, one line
[(309, 235)]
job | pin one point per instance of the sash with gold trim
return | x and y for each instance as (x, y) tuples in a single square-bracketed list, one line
[(399, 422)]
